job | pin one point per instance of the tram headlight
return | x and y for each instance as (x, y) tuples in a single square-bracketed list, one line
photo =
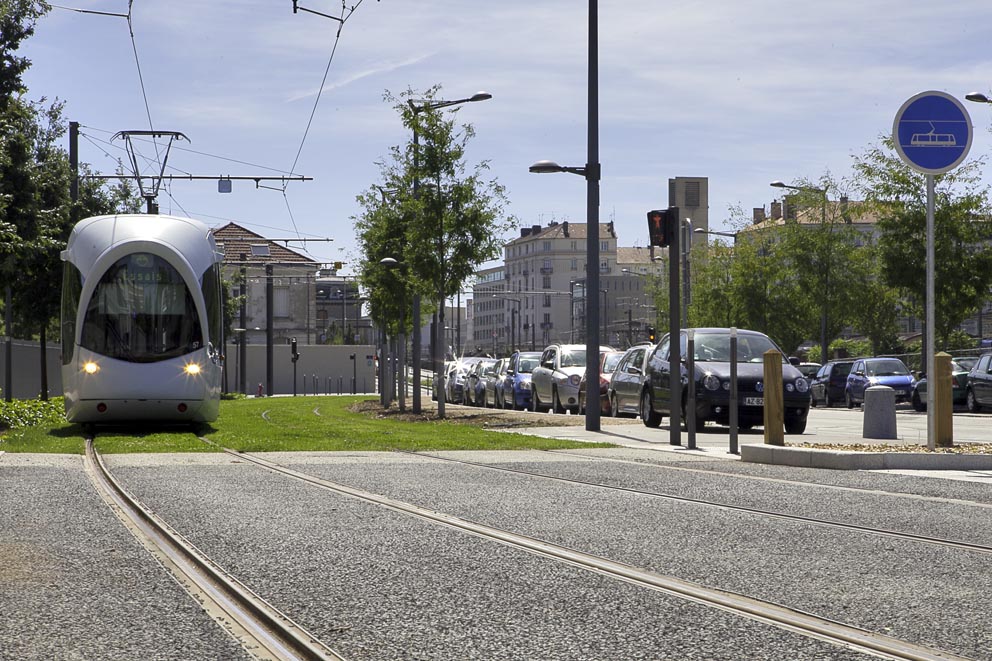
[(192, 369), (90, 367)]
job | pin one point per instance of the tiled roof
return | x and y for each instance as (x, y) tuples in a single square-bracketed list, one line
[(564, 230), (237, 241), (636, 255)]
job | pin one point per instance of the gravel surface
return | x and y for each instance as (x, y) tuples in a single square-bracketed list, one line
[(75, 584), (375, 584), (917, 592)]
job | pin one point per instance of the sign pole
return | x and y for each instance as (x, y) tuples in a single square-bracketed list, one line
[(931, 320)]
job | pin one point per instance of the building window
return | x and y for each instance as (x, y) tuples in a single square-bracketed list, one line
[(604, 245), (547, 300), (546, 246), (280, 302), (575, 265), (546, 282)]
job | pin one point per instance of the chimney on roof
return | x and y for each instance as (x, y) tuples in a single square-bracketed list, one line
[(758, 215), (524, 232), (776, 210), (564, 228), (535, 229)]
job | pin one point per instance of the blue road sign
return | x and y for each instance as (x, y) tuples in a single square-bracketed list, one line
[(932, 132)]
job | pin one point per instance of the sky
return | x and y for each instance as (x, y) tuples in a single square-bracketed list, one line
[(743, 93)]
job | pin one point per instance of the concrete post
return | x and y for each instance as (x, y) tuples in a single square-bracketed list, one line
[(774, 408), (942, 398), (879, 420)]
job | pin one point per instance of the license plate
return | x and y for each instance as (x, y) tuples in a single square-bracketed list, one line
[(754, 401)]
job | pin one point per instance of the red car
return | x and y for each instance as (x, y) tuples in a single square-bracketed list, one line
[(608, 360)]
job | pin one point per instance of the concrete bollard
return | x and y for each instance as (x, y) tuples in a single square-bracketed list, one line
[(880, 413)]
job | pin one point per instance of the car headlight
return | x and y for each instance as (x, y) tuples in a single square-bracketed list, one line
[(789, 387), (802, 385), (574, 380), (711, 382)]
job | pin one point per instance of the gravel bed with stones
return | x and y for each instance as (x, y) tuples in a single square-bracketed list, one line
[(375, 584), (931, 595), (75, 584)]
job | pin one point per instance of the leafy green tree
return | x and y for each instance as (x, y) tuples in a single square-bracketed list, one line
[(963, 264), (440, 233)]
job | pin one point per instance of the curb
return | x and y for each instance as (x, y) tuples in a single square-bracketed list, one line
[(843, 460)]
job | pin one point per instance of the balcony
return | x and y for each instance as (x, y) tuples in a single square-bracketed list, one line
[(547, 270)]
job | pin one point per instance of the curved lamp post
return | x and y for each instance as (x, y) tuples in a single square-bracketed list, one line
[(826, 267), (437, 357)]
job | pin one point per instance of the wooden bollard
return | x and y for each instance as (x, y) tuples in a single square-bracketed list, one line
[(774, 413), (942, 398)]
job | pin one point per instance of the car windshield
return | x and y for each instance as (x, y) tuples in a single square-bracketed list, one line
[(892, 367), (842, 369), (715, 347), (573, 358), (965, 364), (527, 365), (610, 362)]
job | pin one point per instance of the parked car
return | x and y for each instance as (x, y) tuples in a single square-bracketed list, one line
[(608, 361), (457, 378), (494, 384), (711, 358), (475, 382), (809, 370), (627, 382), (978, 393), (555, 381), (868, 372), (830, 382), (516, 383), (959, 387)]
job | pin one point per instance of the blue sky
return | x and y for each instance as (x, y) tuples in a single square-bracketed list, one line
[(740, 92)]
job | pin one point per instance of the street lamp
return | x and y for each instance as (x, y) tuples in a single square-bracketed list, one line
[(437, 359), (686, 247), (702, 230), (825, 268), (977, 97)]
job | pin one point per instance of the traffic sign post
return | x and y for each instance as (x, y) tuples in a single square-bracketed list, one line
[(932, 133)]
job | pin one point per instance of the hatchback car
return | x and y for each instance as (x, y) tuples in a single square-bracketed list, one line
[(868, 372), (555, 382), (475, 382), (978, 393), (830, 382), (608, 361), (516, 384), (628, 381), (494, 385), (711, 363), (959, 387)]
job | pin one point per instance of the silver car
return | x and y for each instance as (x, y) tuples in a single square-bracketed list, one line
[(555, 382)]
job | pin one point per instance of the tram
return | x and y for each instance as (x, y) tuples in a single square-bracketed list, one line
[(141, 321)]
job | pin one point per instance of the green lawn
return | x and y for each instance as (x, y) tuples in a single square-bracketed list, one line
[(282, 424)]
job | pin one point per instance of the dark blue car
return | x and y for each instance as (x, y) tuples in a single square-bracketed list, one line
[(516, 383), (868, 372)]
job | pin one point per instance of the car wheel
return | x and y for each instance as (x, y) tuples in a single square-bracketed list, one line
[(700, 422), (649, 417), (848, 400), (614, 411), (812, 401), (973, 404), (795, 425), (917, 402), (556, 402), (827, 400)]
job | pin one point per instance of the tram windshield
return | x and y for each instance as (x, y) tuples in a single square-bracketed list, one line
[(141, 311)]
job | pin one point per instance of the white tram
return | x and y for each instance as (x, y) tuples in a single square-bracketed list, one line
[(141, 320)]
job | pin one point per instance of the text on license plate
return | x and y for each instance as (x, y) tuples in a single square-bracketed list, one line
[(754, 401)]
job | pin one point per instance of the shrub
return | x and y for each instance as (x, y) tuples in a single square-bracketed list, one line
[(30, 412)]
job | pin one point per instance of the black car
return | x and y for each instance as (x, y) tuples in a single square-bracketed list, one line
[(829, 383), (979, 388), (711, 357)]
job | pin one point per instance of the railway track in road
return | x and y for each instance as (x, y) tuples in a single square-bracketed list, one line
[(785, 618), (937, 541), (261, 629)]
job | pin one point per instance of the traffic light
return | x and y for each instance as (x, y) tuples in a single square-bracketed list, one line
[(661, 227), (293, 350), (652, 335)]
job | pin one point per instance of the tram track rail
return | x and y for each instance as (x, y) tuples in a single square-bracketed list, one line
[(797, 518), (262, 629), (783, 617)]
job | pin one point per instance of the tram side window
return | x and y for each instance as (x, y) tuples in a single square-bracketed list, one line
[(141, 311), (214, 301), (72, 287)]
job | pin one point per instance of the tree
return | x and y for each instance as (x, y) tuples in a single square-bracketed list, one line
[(441, 232), (963, 258)]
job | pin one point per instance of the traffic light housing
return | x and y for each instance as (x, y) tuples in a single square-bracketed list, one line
[(659, 227), (652, 335), (293, 350)]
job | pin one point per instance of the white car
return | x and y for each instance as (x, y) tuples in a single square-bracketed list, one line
[(555, 382)]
